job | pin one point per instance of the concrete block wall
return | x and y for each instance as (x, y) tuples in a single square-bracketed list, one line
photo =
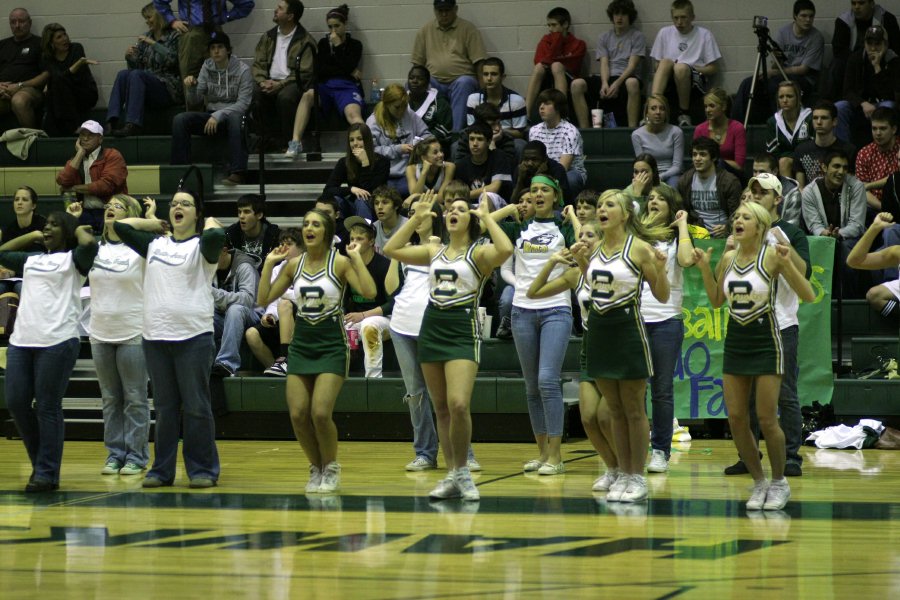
[(510, 28)]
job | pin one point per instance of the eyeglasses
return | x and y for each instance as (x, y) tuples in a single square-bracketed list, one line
[(117, 205), (181, 203)]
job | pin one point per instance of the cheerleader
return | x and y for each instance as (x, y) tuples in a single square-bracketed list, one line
[(319, 355), (747, 279), (449, 345)]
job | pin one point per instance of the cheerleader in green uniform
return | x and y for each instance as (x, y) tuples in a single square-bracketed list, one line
[(450, 338), (747, 279), (318, 355)]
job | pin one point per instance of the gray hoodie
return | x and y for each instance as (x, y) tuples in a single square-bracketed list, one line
[(239, 286), (224, 91)]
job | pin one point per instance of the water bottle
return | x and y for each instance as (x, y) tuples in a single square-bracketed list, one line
[(375, 96)]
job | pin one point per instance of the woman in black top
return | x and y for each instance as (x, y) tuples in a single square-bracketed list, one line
[(357, 174)]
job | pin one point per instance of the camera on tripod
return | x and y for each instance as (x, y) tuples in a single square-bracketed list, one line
[(761, 24)]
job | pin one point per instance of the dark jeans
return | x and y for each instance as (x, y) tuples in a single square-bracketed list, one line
[(665, 348), (136, 89), (179, 372), (36, 380), (278, 112), (187, 123)]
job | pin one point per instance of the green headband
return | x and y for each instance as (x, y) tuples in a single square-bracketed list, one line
[(552, 183)]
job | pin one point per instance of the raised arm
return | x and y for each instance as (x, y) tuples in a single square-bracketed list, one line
[(781, 254), (356, 274), (269, 290), (542, 288), (491, 256), (685, 253), (860, 257), (714, 291), (397, 248)]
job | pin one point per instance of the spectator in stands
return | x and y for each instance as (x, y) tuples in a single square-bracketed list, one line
[(427, 169), (430, 106), (234, 292), (789, 126), (196, 21), (849, 33), (331, 207), (357, 174), (872, 80), (450, 48), (789, 208), (24, 205), (884, 297), (834, 205), (225, 88), (484, 170), (252, 234), (620, 52), (508, 272), (117, 312), (536, 162), (658, 138), (284, 54), (395, 130), (501, 140), (876, 161), (44, 346), (20, 57), (562, 139), (387, 203), (646, 178), (151, 79), (361, 309), (337, 78), (71, 91), (802, 49), (808, 154), (710, 193), (511, 105), (728, 133), (94, 173), (558, 58), (686, 56)]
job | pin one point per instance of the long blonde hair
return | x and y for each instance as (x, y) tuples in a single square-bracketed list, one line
[(673, 201), (633, 225), (393, 94)]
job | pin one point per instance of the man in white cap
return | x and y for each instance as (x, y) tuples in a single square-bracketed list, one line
[(94, 174), (766, 191)]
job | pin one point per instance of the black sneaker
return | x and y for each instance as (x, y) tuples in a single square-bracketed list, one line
[(222, 370), (504, 329), (738, 468), (792, 470)]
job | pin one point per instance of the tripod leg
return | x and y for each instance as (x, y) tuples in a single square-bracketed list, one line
[(753, 82)]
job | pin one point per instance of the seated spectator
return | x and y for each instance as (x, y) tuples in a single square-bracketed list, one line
[(24, 204), (336, 69), (357, 174), (802, 49), (872, 80), (834, 205), (151, 79), (71, 91), (789, 126), (95, 174), (225, 88), (890, 203), (450, 48), (430, 106), (387, 203), (427, 169), (561, 138), (484, 170), (645, 178), (455, 190), (710, 193), (808, 154), (536, 162), (686, 57), (620, 52), (234, 295), (20, 57), (558, 58), (252, 234), (789, 208), (876, 161), (272, 335), (488, 114), (728, 133), (510, 105), (330, 206), (658, 138), (395, 130)]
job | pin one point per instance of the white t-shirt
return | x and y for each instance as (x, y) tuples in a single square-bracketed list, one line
[(654, 311), (279, 69), (410, 303), (696, 48), (117, 293), (534, 246), (787, 302), (562, 139), (50, 306)]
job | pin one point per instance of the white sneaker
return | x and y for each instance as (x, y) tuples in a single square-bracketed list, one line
[(331, 478), (466, 486), (778, 494), (684, 121), (758, 495), (636, 490), (446, 488), (532, 465), (111, 467), (474, 465), (420, 463), (548, 469), (315, 479), (602, 484), (131, 468), (658, 462), (680, 433), (618, 488)]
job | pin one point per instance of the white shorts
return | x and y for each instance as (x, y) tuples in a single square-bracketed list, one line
[(893, 287)]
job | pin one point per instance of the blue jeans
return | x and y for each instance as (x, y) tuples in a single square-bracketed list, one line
[(890, 237), (577, 182), (179, 372), (665, 348), (353, 206), (504, 304), (400, 184), (136, 88), (850, 117), (187, 123), (458, 90), (229, 330), (122, 374), (40, 375), (541, 337)]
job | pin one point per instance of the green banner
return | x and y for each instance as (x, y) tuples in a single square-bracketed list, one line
[(698, 373)]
